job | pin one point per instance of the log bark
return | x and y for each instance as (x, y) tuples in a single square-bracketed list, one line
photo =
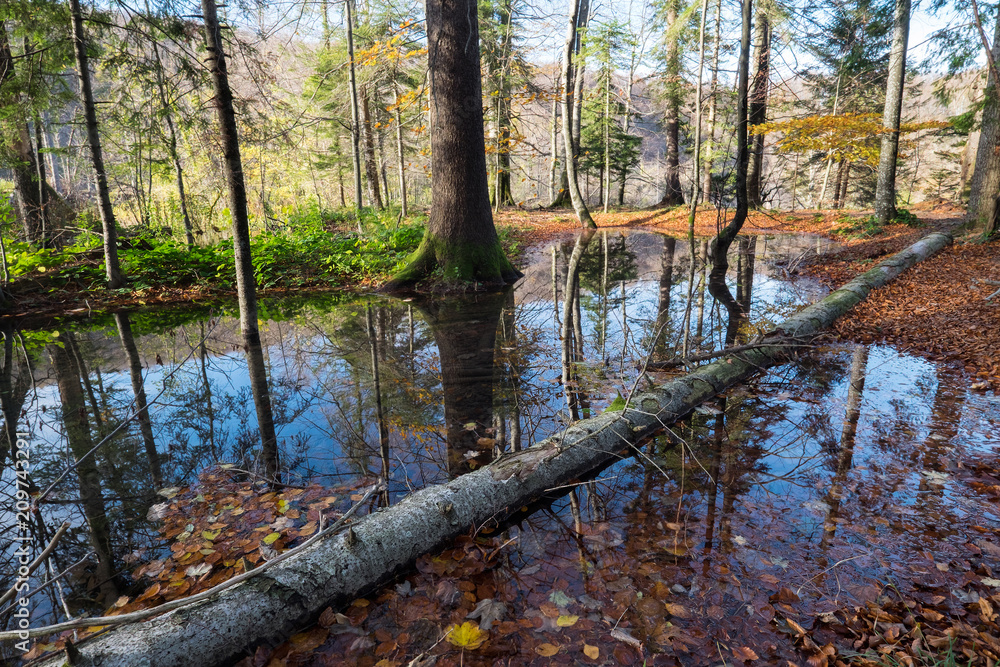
[(338, 569)]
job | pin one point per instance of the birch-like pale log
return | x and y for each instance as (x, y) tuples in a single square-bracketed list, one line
[(336, 570)]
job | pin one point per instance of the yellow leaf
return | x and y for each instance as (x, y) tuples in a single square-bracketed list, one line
[(567, 621), (210, 535), (591, 652), (272, 538), (546, 650), (282, 506), (467, 635)]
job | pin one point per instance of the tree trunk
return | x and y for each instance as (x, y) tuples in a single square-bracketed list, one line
[(986, 175), (885, 193), (722, 241), (371, 165), (503, 195), (340, 568), (245, 286), (400, 153), (557, 173), (673, 195), (569, 141), (460, 236), (112, 267), (837, 185), (139, 390), (758, 103), (14, 389), (172, 147), (78, 437), (713, 103), (30, 199), (842, 195), (355, 115)]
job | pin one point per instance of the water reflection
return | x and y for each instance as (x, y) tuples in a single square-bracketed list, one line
[(338, 390), (784, 501)]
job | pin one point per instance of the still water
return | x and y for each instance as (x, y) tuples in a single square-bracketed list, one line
[(772, 481)]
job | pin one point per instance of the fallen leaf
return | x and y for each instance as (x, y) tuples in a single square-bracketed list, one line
[(467, 635), (566, 621), (591, 652), (560, 599), (488, 611), (745, 653), (546, 650), (307, 641), (677, 610), (198, 570)]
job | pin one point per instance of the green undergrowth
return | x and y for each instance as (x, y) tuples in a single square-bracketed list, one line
[(868, 226), (311, 249)]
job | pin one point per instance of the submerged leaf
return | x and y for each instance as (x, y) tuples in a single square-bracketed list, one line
[(467, 635), (488, 611)]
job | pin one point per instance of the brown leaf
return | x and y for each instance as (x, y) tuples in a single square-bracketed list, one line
[(745, 653), (786, 595), (305, 642)]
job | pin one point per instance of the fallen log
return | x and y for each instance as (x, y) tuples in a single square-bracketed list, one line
[(338, 569)]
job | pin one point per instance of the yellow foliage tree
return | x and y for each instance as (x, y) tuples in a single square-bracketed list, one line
[(852, 137)]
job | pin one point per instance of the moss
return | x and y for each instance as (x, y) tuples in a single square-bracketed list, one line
[(440, 261)]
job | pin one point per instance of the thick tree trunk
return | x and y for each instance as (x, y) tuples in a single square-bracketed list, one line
[(673, 195), (758, 103), (340, 568), (722, 241), (570, 145), (885, 193), (112, 267), (985, 184), (460, 236)]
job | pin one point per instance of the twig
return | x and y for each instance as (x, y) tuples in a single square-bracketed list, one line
[(993, 295), (194, 599), (51, 581), (38, 561)]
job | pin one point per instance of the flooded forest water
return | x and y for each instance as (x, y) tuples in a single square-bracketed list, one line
[(817, 487)]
